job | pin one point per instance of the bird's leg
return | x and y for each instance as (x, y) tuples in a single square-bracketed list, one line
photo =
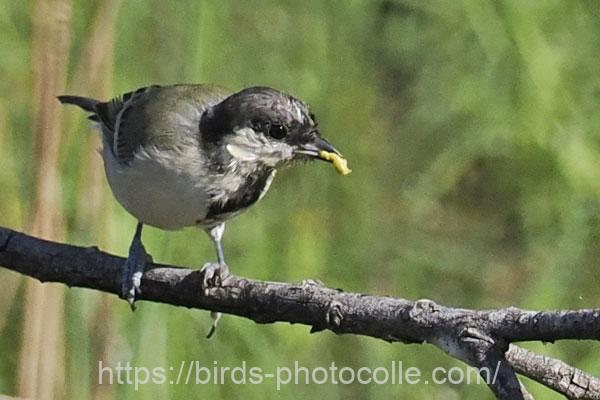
[(134, 267), (214, 274), (216, 235)]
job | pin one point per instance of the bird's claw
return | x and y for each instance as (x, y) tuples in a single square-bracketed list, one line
[(213, 275), (215, 316), (133, 270), (131, 288), (311, 282)]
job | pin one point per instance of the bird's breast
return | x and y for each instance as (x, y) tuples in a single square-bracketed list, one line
[(173, 189), (158, 188)]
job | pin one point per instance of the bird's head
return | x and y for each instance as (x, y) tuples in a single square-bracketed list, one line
[(261, 125)]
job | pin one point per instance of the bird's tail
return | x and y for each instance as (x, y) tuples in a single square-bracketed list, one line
[(84, 102)]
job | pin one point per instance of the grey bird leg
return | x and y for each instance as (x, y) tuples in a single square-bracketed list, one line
[(216, 234), (215, 273), (134, 268)]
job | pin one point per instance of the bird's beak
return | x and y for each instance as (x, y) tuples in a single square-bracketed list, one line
[(316, 148)]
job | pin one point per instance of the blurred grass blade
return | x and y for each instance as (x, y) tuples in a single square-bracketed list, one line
[(41, 365)]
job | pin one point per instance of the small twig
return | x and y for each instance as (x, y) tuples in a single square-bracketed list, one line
[(556, 374)]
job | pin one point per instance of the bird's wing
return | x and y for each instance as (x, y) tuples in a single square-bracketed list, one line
[(155, 115)]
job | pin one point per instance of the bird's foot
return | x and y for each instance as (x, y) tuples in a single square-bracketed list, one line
[(311, 282), (213, 275), (133, 269), (215, 316)]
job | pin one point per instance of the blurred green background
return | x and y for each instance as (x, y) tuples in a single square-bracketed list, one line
[(472, 128)]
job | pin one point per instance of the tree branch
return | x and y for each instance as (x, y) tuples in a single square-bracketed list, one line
[(479, 337), (565, 379)]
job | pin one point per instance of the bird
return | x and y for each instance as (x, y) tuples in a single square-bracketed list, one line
[(197, 155)]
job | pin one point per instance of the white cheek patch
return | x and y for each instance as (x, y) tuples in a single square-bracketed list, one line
[(249, 146), (241, 153), (246, 145)]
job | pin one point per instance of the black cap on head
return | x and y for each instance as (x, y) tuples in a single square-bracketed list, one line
[(277, 115), (261, 108)]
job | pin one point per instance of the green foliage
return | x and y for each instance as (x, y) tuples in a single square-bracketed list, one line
[(472, 129)]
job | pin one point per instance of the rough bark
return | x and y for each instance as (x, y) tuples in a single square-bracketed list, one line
[(481, 338)]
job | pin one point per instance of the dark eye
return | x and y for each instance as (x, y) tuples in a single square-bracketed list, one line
[(277, 131)]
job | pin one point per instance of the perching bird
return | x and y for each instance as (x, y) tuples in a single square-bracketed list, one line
[(197, 155)]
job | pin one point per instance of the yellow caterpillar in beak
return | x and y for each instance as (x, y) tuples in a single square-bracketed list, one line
[(340, 164)]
